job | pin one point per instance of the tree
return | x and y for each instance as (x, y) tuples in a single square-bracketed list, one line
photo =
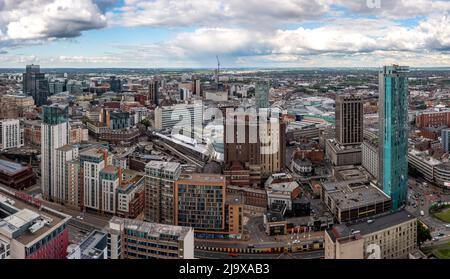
[(423, 233), (85, 120), (145, 122)]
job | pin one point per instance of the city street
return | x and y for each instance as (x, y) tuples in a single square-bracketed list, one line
[(423, 194), (214, 255)]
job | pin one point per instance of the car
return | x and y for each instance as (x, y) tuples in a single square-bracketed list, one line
[(447, 226), (232, 255), (80, 217), (441, 234)]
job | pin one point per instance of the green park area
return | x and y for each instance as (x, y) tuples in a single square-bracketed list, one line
[(442, 213), (443, 253)]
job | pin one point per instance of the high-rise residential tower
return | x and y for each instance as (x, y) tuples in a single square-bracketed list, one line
[(349, 119), (54, 134), (393, 134), (262, 95), (445, 139), (36, 85), (160, 180)]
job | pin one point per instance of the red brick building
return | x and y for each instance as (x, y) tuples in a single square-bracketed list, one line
[(15, 175), (433, 119)]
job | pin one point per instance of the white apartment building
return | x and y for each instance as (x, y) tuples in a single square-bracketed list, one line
[(110, 180), (60, 188), (54, 134), (92, 161), (11, 135)]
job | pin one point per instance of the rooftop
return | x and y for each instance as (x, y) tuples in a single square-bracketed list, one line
[(26, 223), (153, 229), (160, 165), (11, 168), (92, 152), (201, 178), (92, 246), (383, 222), (65, 148), (354, 193), (110, 169)]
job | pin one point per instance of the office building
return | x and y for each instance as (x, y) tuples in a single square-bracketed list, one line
[(29, 230), (393, 138), (342, 155), (153, 92), (392, 236), (160, 180), (93, 247), (15, 175), (186, 119), (349, 119), (341, 243), (36, 85), (197, 88), (445, 139), (262, 95), (56, 86), (135, 239), (11, 134), (272, 138), (115, 84), (353, 200), (54, 134), (370, 157), (200, 202), (281, 188)]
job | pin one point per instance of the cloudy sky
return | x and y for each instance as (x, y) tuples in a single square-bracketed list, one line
[(250, 33)]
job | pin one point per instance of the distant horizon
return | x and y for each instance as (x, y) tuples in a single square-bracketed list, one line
[(225, 68)]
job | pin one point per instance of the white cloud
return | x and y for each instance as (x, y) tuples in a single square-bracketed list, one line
[(216, 13), (30, 19), (395, 8)]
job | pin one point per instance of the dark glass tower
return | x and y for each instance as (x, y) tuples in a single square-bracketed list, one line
[(36, 85)]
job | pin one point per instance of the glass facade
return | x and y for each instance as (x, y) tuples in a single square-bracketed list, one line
[(394, 133), (54, 115)]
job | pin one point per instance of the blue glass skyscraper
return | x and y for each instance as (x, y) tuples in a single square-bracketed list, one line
[(393, 138)]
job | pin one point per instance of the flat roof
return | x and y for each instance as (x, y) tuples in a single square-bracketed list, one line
[(92, 152), (89, 247), (10, 167), (383, 222), (153, 229), (202, 178), (110, 169), (354, 193), (167, 166), (25, 214), (66, 147)]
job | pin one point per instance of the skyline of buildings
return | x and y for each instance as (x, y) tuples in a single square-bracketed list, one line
[(290, 155)]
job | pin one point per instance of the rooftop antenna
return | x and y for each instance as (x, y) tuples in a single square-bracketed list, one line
[(218, 71)]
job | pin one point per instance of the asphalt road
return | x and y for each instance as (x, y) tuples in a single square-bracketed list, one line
[(303, 255), (430, 194)]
